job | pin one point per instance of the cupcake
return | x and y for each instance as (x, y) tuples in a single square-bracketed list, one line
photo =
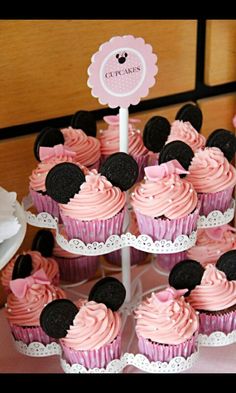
[(212, 292), (89, 336), (167, 326), (158, 131), (25, 303), (110, 140), (92, 207), (49, 155), (166, 205), (136, 256), (214, 178), (35, 262), (73, 267), (212, 243)]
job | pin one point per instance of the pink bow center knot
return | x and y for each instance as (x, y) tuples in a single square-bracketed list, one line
[(20, 286), (158, 172), (46, 153), (170, 294)]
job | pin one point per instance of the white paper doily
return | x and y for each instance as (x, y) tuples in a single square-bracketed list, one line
[(217, 218), (176, 365), (114, 367), (115, 242), (41, 220), (37, 349), (217, 339)]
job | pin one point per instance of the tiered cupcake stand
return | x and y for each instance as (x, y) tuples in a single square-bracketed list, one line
[(134, 288), (115, 95)]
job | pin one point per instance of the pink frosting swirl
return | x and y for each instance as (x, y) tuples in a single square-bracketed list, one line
[(49, 265), (185, 132), (38, 176), (210, 171), (97, 199), (26, 311), (93, 327), (166, 318), (87, 148), (169, 196), (109, 138), (210, 247), (215, 292)]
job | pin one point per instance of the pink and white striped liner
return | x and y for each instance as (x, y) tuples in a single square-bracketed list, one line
[(165, 352), (44, 203), (215, 201), (225, 323), (93, 358), (94, 230), (159, 228), (30, 334)]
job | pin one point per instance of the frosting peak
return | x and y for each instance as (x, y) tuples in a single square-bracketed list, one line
[(171, 321), (210, 171), (97, 199), (215, 292), (185, 132), (94, 326), (169, 196)]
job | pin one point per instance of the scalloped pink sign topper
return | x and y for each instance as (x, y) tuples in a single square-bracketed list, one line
[(122, 71)]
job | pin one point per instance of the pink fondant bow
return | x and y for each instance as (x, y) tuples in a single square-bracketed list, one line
[(45, 153), (20, 285), (157, 172), (170, 294), (114, 120)]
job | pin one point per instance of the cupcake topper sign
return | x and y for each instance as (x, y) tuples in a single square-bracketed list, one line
[(122, 71)]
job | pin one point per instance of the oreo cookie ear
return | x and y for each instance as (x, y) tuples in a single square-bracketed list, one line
[(43, 242), (121, 170), (227, 264), (48, 137), (84, 121), (23, 267), (177, 150), (224, 140), (57, 316), (155, 133), (63, 181), (186, 274), (109, 291), (191, 113)]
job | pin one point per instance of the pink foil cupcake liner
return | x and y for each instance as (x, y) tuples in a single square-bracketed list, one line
[(225, 323), (168, 261), (94, 358), (164, 352), (77, 269), (215, 201), (44, 203), (95, 230), (162, 228), (30, 334), (136, 257)]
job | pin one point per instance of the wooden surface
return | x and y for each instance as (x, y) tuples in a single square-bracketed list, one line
[(220, 64), (44, 63), (218, 112)]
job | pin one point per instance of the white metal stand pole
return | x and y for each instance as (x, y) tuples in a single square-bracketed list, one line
[(125, 252)]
